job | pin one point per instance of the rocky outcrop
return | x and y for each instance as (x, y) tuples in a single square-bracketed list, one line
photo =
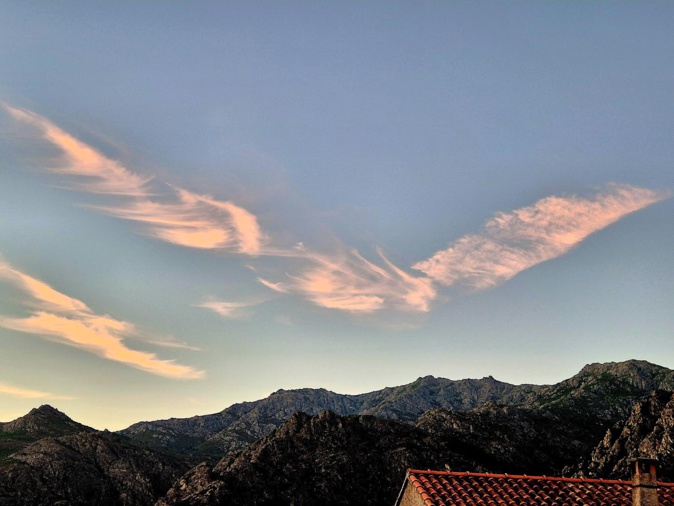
[(332, 460), (325, 459), (603, 392), (84, 469), (647, 432), (507, 440)]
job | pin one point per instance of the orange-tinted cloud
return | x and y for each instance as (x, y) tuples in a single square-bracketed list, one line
[(248, 234), (42, 294), (97, 173), (514, 241), (25, 393), (69, 321), (181, 217), (195, 221), (351, 283)]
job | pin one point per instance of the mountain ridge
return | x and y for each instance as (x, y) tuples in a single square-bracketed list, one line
[(590, 423), (609, 389)]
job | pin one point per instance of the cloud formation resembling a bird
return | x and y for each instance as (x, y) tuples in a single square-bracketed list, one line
[(341, 279)]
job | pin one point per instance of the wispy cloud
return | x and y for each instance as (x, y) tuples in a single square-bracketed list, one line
[(514, 241), (195, 221), (95, 172), (180, 217), (24, 393), (341, 279), (229, 310), (163, 341), (349, 282), (344, 281), (69, 321)]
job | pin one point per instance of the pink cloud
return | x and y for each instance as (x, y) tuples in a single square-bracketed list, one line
[(351, 283), (195, 221), (249, 236), (41, 293), (514, 241), (343, 279), (182, 218), (98, 174), (101, 336)]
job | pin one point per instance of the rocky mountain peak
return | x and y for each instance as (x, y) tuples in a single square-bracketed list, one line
[(47, 411), (425, 379), (632, 369), (45, 421)]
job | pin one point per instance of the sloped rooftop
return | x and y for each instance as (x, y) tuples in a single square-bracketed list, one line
[(438, 488)]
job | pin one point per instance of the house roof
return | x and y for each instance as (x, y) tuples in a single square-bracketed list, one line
[(439, 488)]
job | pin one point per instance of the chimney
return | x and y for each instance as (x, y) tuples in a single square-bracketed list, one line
[(644, 482)]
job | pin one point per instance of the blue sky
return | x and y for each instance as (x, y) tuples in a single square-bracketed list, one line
[(205, 202)]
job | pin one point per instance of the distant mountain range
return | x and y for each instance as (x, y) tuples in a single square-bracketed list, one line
[(312, 446), (598, 396)]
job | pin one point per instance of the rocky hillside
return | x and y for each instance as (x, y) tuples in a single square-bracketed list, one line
[(48, 459), (41, 422), (603, 392), (306, 462), (332, 460), (648, 431), (239, 425), (502, 439), (84, 469), (599, 395)]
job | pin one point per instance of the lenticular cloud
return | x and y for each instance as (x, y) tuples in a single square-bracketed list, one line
[(514, 241)]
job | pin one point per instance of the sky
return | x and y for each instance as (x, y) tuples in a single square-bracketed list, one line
[(204, 202)]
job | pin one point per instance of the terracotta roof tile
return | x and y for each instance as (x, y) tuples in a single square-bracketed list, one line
[(439, 488)]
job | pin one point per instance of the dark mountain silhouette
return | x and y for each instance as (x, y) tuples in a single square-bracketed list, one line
[(89, 468)]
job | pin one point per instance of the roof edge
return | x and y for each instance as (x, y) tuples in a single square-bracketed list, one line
[(402, 489), (524, 477)]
